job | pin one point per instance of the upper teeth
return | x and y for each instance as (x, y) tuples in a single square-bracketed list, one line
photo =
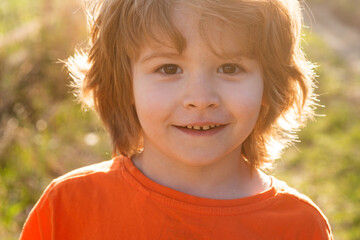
[(206, 127)]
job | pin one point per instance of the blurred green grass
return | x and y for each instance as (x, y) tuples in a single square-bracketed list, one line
[(326, 163), (44, 133)]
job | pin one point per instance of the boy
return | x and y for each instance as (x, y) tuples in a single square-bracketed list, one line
[(197, 97)]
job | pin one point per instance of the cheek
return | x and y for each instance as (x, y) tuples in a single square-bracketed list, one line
[(153, 102), (247, 97), (152, 98)]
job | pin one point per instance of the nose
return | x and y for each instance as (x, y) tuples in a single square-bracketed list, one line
[(201, 93)]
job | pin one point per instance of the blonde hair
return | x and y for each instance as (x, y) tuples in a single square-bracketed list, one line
[(271, 30)]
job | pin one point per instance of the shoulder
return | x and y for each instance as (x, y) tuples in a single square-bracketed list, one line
[(81, 187), (95, 170), (74, 194), (88, 179), (302, 211), (291, 197)]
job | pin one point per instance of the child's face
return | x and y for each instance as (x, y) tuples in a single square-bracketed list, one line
[(197, 88)]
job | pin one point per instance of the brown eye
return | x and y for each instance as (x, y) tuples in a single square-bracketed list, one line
[(170, 69), (229, 68)]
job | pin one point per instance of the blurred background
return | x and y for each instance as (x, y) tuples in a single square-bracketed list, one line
[(44, 133)]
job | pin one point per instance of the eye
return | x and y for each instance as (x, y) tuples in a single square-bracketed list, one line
[(230, 68), (169, 69)]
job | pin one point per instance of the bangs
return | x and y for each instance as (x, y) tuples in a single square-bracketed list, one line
[(151, 22)]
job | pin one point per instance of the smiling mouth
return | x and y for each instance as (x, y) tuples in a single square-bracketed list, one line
[(201, 128)]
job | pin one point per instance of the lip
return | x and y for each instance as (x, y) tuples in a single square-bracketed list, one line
[(193, 132)]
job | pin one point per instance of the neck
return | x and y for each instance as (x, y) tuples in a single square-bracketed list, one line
[(228, 178)]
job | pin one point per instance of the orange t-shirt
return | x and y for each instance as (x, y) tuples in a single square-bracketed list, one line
[(114, 200)]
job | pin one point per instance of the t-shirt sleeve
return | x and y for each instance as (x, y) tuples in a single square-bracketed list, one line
[(318, 228), (38, 224), (308, 220), (298, 217)]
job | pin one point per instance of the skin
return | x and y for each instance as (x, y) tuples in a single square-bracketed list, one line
[(197, 86)]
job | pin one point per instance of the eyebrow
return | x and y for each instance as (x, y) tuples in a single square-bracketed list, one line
[(153, 55)]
